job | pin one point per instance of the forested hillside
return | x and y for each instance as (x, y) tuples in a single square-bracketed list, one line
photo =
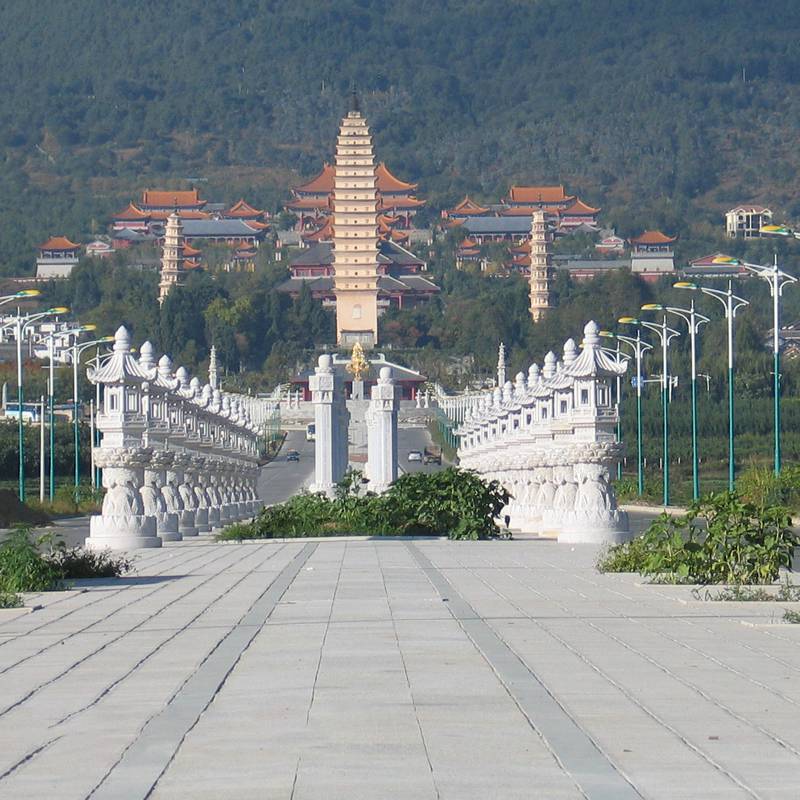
[(663, 112)]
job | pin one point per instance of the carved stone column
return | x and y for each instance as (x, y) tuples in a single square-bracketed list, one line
[(155, 476), (200, 496), (123, 524), (382, 433), (176, 479)]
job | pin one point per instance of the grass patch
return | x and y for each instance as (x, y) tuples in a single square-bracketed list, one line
[(787, 593), (792, 617), (10, 600)]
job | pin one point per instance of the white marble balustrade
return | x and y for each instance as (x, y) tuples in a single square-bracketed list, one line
[(179, 457), (549, 438)]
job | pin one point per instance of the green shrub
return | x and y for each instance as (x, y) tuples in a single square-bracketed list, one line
[(77, 563), (453, 502), (23, 568), (10, 600), (721, 539), (762, 487)]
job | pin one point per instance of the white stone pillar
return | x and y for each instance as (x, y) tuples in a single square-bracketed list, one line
[(200, 496), (382, 433), (155, 476), (330, 417)]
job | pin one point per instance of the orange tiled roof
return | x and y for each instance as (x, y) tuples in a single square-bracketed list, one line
[(538, 194), (653, 237), (527, 211), (256, 225), (183, 214), (132, 212), (189, 251), (192, 265), (243, 209), (579, 208), (468, 206), (468, 244), (321, 184), (309, 204), (179, 198), (400, 202), (389, 183), (322, 234), (59, 243)]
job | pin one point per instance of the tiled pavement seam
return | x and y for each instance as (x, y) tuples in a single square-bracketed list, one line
[(140, 767), (23, 749), (579, 756)]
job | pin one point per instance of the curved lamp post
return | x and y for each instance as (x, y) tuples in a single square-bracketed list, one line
[(51, 339), (731, 303), (777, 280), (693, 320), (665, 335), (640, 347), (20, 323), (76, 356)]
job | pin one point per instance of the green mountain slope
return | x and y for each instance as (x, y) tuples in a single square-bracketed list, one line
[(663, 112)]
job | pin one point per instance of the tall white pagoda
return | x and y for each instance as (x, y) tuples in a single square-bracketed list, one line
[(172, 257), (541, 267), (355, 233)]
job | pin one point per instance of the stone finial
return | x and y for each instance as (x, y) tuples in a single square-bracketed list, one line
[(570, 352), (165, 366), (122, 340), (147, 356), (213, 377), (325, 362), (549, 365), (497, 397), (519, 383), (385, 375), (182, 374), (591, 331), (501, 365), (533, 375), (195, 386)]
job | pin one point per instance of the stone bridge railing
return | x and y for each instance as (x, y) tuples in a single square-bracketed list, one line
[(178, 457), (549, 439)]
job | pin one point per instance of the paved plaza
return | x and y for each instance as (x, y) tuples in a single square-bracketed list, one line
[(394, 669)]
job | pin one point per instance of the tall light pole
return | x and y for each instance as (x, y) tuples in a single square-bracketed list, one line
[(640, 347), (19, 324), (777, 280), (77, 349), (693, 320), (731, 303), (51, 339), (665, 335)]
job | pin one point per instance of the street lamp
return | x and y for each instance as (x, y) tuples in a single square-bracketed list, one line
[(19, 296), (76, 355), (777, 280), (20, 324), (731, 303), (640, 347), (693, 321), (665, 335), (51, 337)]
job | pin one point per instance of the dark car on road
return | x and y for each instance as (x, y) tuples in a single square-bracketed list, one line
[(293, 455)]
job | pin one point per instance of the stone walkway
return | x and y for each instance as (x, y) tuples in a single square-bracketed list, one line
[(395, 669)]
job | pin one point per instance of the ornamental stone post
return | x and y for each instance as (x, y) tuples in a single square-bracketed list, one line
[(331, 418), (382, 433), (155, 476)]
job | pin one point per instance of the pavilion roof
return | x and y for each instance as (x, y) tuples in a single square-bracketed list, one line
[(191, 264), (399, 202), (538, 194), (322, 183), (653, 237), (175, 198), (579, 208), (121, 365), (132, 212), (59, 243), (528, 211), (309, 203), (190, 251), (184, 213), (387, 182), (468, 206), (322, 234), (243, 209)]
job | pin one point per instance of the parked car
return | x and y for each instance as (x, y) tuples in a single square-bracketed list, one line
[(293, 455), (433, 455), (414, 455)]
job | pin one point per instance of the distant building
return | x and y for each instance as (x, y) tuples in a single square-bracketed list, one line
[(400, 282), (611, 244), (469, 252), (541, 269), (465, 209), (312, 202), (99, 249), (652, 254), (578, 215), (58, 256), (543, 198), (172, 259), (745, 222)]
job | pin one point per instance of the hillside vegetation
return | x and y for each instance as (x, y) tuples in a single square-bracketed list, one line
[(662, 112)]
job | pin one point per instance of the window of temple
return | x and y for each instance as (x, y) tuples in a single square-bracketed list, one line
[(584, 396), (564, 407)]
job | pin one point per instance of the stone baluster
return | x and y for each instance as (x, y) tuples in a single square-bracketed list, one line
[(382, 433)]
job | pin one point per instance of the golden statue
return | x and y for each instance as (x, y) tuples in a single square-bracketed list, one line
[(358, 365)]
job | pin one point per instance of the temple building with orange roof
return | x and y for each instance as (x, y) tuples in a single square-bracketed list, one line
[(544, 198), (312, 202), (466, 208), (652, 254), (58, 256), (170, 200)]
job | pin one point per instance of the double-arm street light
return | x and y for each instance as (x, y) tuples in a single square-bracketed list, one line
[(19, 324), (731, 303), (640, 347), (51, 339), (665, 335), (693, 320), (777, 280)]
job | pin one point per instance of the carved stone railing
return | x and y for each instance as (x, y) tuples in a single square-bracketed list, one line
[(179, 458), (549, 439)]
